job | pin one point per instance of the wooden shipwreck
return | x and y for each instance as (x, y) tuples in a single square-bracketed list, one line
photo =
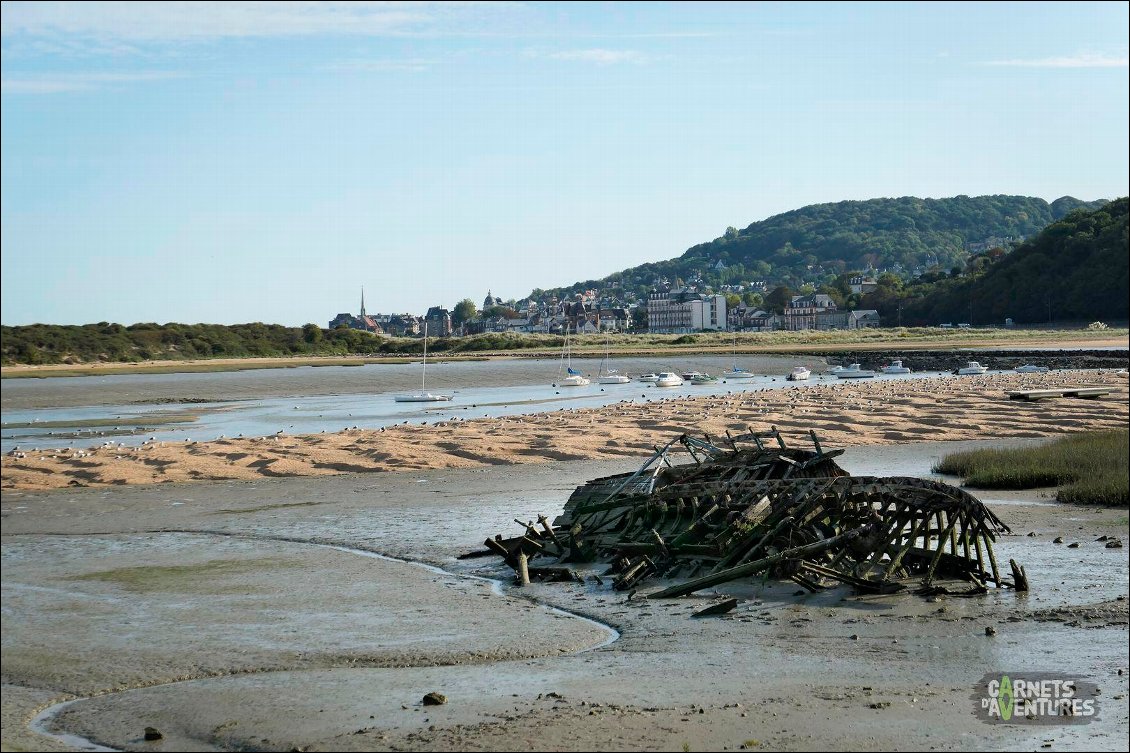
[(753, 506)]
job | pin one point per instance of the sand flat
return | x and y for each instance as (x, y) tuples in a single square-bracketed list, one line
[(859, 413)]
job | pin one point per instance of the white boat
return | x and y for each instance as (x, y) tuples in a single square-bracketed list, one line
[(650, 377), (854, 372), (690, 375), (610, 376), (613, 377), (798, 374), (573, 378), (1030, 368), (737, 372), (668, 379), (423, 396), (972, 367), (895, 367)]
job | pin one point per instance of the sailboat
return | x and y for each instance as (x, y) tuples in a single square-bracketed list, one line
[(423, 396), (573, 377), (611, 376), (737, 372)]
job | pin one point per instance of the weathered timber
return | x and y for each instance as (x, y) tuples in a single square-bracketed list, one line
[(754, 567), (768, 509), (715, 609)]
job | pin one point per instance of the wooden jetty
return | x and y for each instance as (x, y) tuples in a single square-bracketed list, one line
[(752, 506)]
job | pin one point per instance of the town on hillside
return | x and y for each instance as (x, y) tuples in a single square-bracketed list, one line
[(668, 309)]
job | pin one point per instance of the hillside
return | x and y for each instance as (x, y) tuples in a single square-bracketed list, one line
[(816, 243), (1076, 269)]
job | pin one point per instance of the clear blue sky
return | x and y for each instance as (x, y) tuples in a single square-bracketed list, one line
[(234, 162)]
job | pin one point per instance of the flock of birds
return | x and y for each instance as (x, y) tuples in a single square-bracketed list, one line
[(666, 412)]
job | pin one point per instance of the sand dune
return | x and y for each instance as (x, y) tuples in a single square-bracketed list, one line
[(842, 414)]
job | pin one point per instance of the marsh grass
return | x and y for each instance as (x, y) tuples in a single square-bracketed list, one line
[(1088, 468), (517, 345)]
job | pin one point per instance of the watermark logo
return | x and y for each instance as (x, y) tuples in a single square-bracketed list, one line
[(1035, 698)]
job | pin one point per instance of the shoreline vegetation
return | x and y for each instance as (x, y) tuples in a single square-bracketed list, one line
[(1090, 468), (502, 345)]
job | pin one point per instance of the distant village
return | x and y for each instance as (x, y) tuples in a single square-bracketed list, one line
[(677, 309)]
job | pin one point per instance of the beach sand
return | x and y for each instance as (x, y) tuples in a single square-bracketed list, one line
[(842, 413), (220, 613)]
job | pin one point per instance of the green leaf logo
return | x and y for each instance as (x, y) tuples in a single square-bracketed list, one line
[(1006, 700)]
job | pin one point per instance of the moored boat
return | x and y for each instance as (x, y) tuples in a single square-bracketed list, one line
[(649, 377), (854, 372), (1030, 368), (668, 379), (972, 367), (799, 374), (423, 396), (895, 367), (573, 378)]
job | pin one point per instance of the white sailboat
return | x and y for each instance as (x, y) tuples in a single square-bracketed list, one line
[(737, 372), (423, 396), (611, 376), (573, 378)]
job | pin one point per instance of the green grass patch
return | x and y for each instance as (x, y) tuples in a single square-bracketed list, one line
[(198, 578), (1090, 468)]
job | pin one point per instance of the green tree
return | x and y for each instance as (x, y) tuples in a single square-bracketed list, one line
[(464, 311), (312, 333), (778, 299)]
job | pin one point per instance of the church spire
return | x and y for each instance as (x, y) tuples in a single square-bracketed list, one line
[(362, 301)]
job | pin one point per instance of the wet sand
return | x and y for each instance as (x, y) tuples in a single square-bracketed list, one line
[(858, 412), (215, 612)]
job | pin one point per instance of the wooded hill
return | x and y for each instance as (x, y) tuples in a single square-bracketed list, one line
[(1075, 270), (817, 243)]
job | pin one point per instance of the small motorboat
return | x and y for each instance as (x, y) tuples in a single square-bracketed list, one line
[(668, 379), (895, 367), (798, 374), (972, 367), (1031, 368), (690, 375), (649, 377), (703, 379), (854, 372)]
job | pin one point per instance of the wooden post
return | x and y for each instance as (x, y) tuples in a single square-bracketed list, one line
[(523, 570)]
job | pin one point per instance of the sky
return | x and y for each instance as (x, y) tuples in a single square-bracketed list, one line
[(235, 162)]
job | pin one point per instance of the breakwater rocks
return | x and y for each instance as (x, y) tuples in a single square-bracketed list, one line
[(996, 360)]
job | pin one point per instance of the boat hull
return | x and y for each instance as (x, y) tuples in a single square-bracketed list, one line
[(423, 398)]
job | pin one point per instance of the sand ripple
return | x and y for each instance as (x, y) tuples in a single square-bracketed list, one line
[(879, 412)]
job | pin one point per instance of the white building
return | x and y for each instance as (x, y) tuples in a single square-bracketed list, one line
[(679, 311)]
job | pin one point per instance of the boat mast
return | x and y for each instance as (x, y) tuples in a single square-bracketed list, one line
[(424, 372)]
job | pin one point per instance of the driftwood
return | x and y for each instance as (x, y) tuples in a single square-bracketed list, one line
[(758, 508), (728, 605)]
